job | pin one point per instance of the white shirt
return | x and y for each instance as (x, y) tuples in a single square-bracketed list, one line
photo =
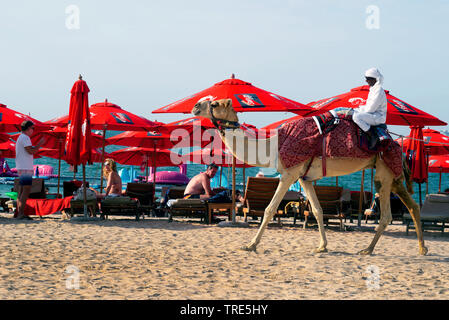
[(24, 160), (374, 111)]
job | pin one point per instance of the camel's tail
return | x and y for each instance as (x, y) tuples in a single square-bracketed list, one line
[(408, 176)]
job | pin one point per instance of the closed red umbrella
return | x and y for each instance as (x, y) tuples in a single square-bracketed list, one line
[(435, 143), (439, 164), (11, 120), (245, 98), (78, 144), (398, 111), (416, 157)]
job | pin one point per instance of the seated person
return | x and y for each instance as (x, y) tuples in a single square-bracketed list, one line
[(199, 185), (114, 182)]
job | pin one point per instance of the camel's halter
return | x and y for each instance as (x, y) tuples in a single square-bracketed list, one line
[(222, 124)]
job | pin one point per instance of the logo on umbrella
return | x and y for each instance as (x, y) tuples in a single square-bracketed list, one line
[(121, 118), (153, 134), (356, 101), (207, 98), (249, 100), (402, 107)]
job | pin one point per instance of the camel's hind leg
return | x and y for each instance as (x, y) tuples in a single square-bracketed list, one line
[(317, 212), (383, 181), (286, 181), (413, 208)]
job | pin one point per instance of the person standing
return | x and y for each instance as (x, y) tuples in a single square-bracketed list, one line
[(24, 165)]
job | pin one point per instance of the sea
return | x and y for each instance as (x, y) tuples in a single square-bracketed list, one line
[(93, 174)]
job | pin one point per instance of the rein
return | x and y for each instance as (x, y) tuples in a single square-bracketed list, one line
[(222, 124)]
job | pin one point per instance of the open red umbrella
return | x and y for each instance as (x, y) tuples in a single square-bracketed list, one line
[(435, 143), (245, 98), (108, 116), (416, 157), (79, 139), (150, 139), (8, 149), (146, 157), (439, 164), (11, 120), (398, 111)]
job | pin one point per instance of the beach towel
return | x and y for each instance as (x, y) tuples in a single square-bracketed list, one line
[(300, 140), (44, 207)]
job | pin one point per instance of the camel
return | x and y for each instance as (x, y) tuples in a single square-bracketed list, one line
[(224, 117)]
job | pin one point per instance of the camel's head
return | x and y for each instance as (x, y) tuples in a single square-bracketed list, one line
[(220, 112)]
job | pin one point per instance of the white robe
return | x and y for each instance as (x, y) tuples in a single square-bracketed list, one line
[(374, 111)]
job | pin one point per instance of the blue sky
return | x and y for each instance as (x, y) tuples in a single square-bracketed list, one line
[(143, 55)]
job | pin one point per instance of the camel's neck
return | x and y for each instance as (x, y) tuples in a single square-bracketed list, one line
[(261, 152)]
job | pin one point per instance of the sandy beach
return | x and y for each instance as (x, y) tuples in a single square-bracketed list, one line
[(123, 259)]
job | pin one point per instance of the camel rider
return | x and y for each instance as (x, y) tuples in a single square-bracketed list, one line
[(374, 111)]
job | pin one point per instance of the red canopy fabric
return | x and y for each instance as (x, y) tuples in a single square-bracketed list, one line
[(8, 150), (220, 157), (54, 154), (150, 139), (79, 140), (435, 143), (439, 163), (138, 156), (4, 137), (245, 98), (11, 120), (57, 136), (398, 111), (106, 115), (416, 157)]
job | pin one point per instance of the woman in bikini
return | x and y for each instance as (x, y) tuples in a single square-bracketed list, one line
[(114, 182)]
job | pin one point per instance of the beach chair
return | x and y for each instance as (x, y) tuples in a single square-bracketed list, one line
[(331, 203), (434, 213), (144, 192), (354, 204), (258, 194), (37, 192), (69, 187), (169, 193), (123, 206), (188, 208)]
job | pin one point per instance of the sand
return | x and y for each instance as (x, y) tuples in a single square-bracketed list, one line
[(152, 259)]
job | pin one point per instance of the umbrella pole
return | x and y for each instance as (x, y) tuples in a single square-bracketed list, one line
[(233, 189), (420, 197), (439, 183), (244, 179), (102, 160), (336, 181), (221, 171), (359, 219), (372, 184), (84, 191), (427, 169), (59, 169)]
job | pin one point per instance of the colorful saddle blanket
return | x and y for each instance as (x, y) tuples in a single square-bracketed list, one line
[(303, 139)]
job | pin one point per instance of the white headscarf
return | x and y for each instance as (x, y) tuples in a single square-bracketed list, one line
[(375, 73)]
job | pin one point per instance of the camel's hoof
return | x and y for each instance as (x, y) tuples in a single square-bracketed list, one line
[(423, 251), (249, 248), (319, 250), (365, 252)]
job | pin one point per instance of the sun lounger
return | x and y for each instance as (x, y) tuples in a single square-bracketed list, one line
[(258, 194), (331, 203), (188, 208), (434, 213), (144, 192), (124, 206)]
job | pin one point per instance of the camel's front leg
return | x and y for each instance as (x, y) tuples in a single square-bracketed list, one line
[(317, 212), (285, 182), (384, 189)]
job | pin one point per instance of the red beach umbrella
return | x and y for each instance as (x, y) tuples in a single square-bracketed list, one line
[(4, 137), (398, 111), (146, 157), (11, 120), (439, 164), (416, 157), (78, 144), (150, 139), (245, 98), (435, 143), (8, 149)]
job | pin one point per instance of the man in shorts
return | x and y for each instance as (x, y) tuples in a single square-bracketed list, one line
[(24, 165)]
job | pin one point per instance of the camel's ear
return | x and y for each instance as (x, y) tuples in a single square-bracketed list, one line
[(228, 103), (214, 104)]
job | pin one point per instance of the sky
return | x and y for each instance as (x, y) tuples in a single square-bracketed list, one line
[(143, 55)]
